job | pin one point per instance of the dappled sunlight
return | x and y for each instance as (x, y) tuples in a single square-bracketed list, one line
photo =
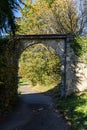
[(74, 108)]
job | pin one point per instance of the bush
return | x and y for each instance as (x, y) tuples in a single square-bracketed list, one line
[(80, 48)]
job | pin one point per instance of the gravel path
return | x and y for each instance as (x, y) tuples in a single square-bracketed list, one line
[(34, 112)]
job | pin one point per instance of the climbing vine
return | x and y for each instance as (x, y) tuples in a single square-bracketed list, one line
[(80, 48), (8, 83)]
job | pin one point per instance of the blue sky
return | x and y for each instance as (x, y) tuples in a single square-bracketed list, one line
[(18, 14)]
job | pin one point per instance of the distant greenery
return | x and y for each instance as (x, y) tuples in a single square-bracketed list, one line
[(23, 81), (39, 65)]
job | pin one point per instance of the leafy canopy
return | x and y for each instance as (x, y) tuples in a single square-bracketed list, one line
[(41, 17)]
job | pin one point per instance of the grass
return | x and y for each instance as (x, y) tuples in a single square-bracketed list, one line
[(23, 82), (43, 88), (74, 108), (38, 87)]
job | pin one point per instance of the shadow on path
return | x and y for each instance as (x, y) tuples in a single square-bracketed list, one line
[(35, 111)]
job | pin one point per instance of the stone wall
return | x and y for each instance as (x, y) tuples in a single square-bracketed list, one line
[(76, 71), (70, 69), (81, 73)]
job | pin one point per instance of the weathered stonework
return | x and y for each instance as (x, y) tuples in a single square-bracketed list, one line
[(70, 69), (57, 42), (76, 72), (62, 46), (81, 73)]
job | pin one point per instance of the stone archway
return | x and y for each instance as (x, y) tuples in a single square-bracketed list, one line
[(11, 55), (60, 43), (10, 51)]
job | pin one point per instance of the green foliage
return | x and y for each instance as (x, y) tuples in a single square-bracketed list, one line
[(66, 17), (23, 81), (35, 19), (74, 108), (80, 47), (7, 18), (48, 16), (8, 82), (49, 1), (39, 64)]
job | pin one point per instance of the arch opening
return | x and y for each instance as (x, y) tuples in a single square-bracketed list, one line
[(39, 67), (12, 53)]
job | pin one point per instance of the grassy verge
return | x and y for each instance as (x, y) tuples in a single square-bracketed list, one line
[(73, 107)]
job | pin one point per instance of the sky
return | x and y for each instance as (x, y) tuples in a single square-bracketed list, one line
[(18, 14)]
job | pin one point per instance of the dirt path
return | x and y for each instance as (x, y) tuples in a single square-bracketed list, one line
[(34, 112)]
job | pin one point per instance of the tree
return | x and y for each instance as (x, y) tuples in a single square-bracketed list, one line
[(66, 17), (82, 16), (49, 1), (40, 64), (61, 16), (70, 17), (36, 18), (7, 17)]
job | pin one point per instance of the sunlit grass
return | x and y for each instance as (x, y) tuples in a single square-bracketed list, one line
[(38, 87), (23, 82), (74, 108), (43, 88)]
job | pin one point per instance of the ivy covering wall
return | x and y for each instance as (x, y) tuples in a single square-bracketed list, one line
[(80, 48)]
